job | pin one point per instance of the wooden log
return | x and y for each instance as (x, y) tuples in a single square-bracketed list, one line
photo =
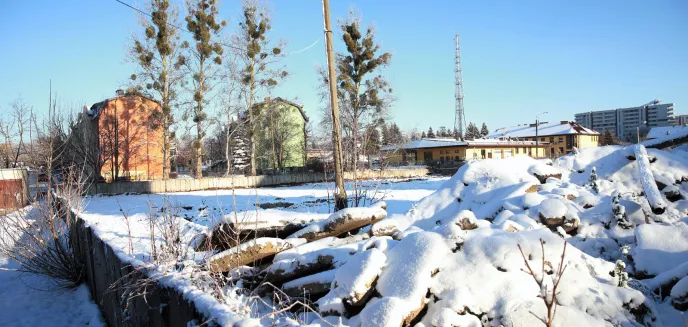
[(654, 198), (250, 252), (225, 236), (341, 222), (312, 287)]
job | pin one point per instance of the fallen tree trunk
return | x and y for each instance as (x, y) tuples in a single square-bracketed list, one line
[(227, 235), (647, 180), (250, 252), (312, 287), (341, 222)]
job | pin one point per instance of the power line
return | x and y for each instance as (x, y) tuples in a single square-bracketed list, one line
[(149, 15), (225, 44)]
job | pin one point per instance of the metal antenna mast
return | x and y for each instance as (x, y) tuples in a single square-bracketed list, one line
[(460, 119)]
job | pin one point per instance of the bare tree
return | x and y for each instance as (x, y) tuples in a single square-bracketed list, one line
[(204, 62), (158, 54), (259, 57), (15, 129)]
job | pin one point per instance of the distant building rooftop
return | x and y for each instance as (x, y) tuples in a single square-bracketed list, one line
[(545, 129), (661, 132), (440, 143)]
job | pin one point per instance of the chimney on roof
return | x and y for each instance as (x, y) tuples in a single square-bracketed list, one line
[(120, 92), (564, 122)]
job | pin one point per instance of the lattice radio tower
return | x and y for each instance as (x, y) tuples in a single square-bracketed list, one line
[(460, 119)]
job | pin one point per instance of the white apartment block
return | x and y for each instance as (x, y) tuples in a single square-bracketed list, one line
[(625, 122)]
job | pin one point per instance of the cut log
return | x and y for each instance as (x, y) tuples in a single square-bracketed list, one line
[(312, 287), (385, 227), (341, 222), (648, 181), (250, 252), (224, 235), (280, 272), (679, 295), (664, 282)]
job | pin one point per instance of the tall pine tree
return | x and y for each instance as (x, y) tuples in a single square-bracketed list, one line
[(386, 139), (472, 132), (158, 56), (484, 131), (431, 134), (395, 134), (204, 61)]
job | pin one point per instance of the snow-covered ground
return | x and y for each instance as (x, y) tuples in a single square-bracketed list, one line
[(456, 252), (30, 300)]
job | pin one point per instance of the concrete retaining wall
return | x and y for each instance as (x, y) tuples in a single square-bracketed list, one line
[(186, 185), (162, 306)]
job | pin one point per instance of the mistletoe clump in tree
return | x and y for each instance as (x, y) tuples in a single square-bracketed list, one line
[(362, 94), (258, 56), (204, 64), (158, 56)]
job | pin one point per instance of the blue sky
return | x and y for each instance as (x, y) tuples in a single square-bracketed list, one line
[(519, 58)]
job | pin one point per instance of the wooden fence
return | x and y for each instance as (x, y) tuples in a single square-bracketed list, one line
[(186, 185)]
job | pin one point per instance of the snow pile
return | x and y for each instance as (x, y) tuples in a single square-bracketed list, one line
[(552, 208), (660, 248), (454, 258)]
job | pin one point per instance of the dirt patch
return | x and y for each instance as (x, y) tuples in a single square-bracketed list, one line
[(272, 205)]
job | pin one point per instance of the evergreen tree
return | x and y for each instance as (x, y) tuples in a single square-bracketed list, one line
[(619, 212), (204, 63), (258, 56), (607, 139), (372, 137), (484, 131), (593, 180), (423, 135), (363, 94), (158, 56), (442, 132), (472, 132), (395, 134), (386, 139), (431, 134)]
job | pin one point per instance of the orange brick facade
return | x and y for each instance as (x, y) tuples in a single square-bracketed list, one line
[(129, 139)]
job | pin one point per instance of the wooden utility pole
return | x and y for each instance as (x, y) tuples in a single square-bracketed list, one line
[(340, 199)]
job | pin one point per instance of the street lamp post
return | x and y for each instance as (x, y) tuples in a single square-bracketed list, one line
[(537, 125), (637, 130)]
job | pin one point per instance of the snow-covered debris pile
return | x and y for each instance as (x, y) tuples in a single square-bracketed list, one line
[(453, 259)]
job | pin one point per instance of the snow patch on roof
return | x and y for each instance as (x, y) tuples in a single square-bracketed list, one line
[(546, 129)]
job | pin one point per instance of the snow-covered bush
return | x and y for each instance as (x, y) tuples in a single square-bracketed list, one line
[(593, 180), (619, 212), (621, 274), (37, 237)]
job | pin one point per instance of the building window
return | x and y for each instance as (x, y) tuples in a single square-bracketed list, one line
[(561, 139), (551, 140), (516, 150), (441, 158), (561, 150), (542, 139), (482, 153)]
